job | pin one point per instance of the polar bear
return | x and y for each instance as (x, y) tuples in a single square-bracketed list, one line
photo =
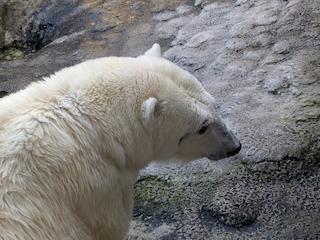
[(71, 146)]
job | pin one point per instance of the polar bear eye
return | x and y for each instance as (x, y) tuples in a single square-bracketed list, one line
[(203, 130)]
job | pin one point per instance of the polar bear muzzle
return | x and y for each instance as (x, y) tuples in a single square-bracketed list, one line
[(234, 152)]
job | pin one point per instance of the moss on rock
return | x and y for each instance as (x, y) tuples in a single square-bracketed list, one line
[(13, 52), (158, 196)]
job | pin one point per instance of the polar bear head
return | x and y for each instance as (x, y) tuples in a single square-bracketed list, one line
[(182, 117)]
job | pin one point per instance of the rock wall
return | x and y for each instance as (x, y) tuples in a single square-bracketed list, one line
[(14, 16), (259, 59)]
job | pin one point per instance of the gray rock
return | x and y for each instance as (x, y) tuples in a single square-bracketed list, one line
[(14, 16), (256, 59), (259, 59)]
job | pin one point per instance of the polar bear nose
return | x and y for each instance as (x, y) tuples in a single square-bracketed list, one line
[(234, 152)]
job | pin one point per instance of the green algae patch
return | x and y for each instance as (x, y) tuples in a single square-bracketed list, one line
[(151, 188), (158, 196), (159, 199), (309, 109), (305, 109), (311, 66), (12, 52)]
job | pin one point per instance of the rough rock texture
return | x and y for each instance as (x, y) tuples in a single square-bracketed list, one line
[(259, 59), (13, 17), (69, 32)]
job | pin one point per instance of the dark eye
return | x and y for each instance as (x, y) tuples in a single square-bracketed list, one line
[(203, 129)]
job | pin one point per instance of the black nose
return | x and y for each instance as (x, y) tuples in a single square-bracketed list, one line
[(234, 152)]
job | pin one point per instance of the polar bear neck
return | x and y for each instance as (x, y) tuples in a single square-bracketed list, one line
[(67, 96), (94, 90), (81, 129), (64, 113)]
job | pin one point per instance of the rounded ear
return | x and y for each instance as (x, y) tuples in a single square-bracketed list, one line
[(154, 51), (148, 110), (152, 109)]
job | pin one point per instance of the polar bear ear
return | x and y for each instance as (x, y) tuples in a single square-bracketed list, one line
[(152, 109), (154, 51), (148, 110)]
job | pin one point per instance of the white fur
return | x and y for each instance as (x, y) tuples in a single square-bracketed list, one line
[(71, 146), (154, 51), (148, 110)]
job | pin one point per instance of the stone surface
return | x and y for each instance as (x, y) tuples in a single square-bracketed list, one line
[(259, 59), (14, 14), (63, 33)]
